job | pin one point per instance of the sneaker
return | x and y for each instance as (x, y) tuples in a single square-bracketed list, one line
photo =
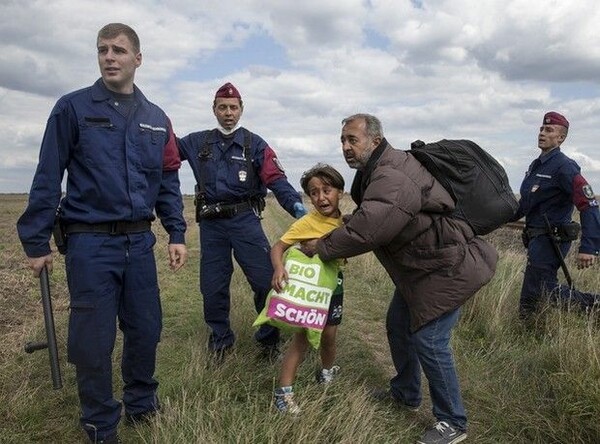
[(386, 395), (284, 401), (326, 376), (92, 433), (442, 433), (110, 439)]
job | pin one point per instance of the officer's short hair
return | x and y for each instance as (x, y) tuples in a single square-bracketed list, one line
[(326, 173), (113, 30)]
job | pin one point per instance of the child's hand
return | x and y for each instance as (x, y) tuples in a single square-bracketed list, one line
[(279, 280)]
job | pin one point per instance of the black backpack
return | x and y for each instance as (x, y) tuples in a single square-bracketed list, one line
[(475, 180)]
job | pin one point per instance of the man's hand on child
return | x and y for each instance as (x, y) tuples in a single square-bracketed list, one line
[(309, 247)]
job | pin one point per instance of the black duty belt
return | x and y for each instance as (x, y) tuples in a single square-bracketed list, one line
[(534, 232), (121, 227), (238, 207), (222, 210)]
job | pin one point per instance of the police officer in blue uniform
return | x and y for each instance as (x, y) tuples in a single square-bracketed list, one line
[(122, 161), (553, 185), (233, 169)]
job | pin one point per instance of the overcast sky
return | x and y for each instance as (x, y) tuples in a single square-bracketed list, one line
[(485, 70)]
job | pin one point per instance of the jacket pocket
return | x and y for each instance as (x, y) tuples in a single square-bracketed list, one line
[(84, 332), (443, 260), (150, 146), (100, 142)]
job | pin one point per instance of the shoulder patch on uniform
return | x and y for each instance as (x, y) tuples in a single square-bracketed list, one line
[(588, 192)]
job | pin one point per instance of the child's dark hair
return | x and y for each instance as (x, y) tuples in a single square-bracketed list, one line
[(326, 173)]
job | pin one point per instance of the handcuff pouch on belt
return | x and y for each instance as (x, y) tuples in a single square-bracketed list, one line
[(560, 233), (568, 232), (59, 234)]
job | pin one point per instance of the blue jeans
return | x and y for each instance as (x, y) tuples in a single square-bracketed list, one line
[(427, 348)]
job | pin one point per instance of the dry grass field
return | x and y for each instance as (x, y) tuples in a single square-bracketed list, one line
[(537, 385)]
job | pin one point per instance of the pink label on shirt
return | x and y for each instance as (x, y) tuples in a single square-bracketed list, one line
[(294, 314)]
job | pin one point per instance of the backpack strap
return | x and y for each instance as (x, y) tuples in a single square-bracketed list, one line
[(256, 200), (204, 154), (248, 157)]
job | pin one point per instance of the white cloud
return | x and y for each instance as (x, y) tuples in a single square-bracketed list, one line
[(22, 117), (588, 164), (485, 70)]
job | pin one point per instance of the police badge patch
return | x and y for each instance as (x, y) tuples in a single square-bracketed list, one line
[(588, 192)]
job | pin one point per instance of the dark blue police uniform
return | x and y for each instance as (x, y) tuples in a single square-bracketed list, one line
[(121, 167), (233, 172), (552, 186)]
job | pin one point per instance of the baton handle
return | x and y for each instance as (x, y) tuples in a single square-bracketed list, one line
[(50, 333), (30, 347)]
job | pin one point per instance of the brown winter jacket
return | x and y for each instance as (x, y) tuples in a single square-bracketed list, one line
[(435, 261)]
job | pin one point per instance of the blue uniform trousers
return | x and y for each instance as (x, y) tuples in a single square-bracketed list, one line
[(427, 348), (541, 278), (113, 277), (244, 235)]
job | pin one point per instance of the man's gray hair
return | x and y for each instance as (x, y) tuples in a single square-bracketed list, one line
[(374, 127)]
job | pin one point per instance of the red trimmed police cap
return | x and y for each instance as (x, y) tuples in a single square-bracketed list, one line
[(553, 118), (228, 91)]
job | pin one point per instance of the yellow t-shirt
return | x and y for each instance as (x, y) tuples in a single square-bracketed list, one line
[(312, 226)]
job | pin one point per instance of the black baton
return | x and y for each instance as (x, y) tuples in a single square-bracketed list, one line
[(563, 265), (30, 347)]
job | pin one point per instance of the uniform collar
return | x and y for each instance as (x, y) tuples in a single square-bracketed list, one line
[(226, 132), (101, 93), (236, 136), (546, 157)]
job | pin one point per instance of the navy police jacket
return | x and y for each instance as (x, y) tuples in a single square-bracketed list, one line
[(553, 185), (118, 169), (232, 175)]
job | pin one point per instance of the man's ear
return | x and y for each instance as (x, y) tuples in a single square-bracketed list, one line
[(562, 136)]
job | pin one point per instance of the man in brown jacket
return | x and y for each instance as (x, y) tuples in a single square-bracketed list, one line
[(435, 261)]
